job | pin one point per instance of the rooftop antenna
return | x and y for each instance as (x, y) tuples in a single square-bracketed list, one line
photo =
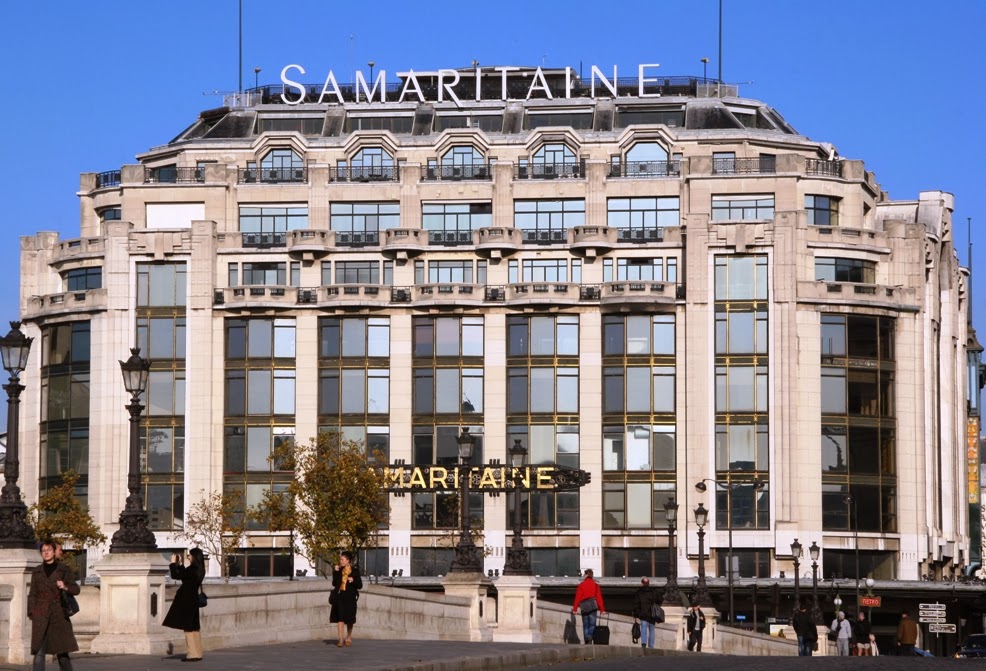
[(543, 56), (719, 85), (240, 89), (968, 225)]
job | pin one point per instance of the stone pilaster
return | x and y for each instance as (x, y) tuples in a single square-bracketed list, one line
[(517, 613), (474, 587), (15, 570), (131, 605)]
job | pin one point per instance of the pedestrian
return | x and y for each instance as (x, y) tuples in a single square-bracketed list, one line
[(843, 632), (51, 630), (589, 604), (806, 629), (695, 624), (907, 635), (184, 611), (862, 630), (346, 584), (647, 611)]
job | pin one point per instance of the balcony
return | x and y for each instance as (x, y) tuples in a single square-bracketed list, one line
[(91, 300), (107, 179), (540, 293), (446, 238), (425, 295), (497, 242), (822, 168), (643, 293), (852, 238), (571, 170), (404, 243), (760, 165), (357, 238), (545, 236), (76, 250), (264, 240), (639, 236), (272, 175), (458, 173), (646, 169), (309, 243), (356, 295), (377, 173), (591, 241), (255, 296), (173, 175), (899, 298)]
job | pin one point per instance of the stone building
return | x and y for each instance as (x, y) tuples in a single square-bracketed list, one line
[(654, 280)]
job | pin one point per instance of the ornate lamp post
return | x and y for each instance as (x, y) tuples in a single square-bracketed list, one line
[(702, 596), (15, 532), (850, 501), (672, 596), (814, 551), (133, 534), (796, 553), (467, 559), (518, 560)]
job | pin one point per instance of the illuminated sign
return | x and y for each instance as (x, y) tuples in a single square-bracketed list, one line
[(439, 86), (972, 457), (491, 477)]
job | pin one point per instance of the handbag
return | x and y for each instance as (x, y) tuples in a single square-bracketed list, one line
[(70, 605), (587, 606), (203, 598), (657, 613), (833, 636), (635, 632), (333, 597)]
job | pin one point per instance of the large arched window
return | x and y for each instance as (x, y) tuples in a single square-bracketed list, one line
[(553, 160), (647, 159), (282, 165), (373, 164), (464, 161)]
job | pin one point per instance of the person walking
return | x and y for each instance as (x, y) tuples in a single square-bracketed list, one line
[(843, 632), (646, 611), (51, 630), (589, 604), (862, 629), (184, 611), (804, 627), (907, 635), (695, 623), (346, 584)]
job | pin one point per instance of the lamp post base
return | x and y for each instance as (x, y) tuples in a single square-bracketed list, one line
[(15, 532), (133, 534), (467, 558), (518, 561)]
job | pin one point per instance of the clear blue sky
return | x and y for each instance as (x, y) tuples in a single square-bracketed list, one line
[(897, 83)]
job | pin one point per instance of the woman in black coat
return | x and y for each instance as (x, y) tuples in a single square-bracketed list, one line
[(184, 611), (346, 584), (51, 631)]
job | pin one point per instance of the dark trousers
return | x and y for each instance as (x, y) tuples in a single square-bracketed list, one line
[(907, 649), (64, 662), (695, 640), (805, 646)]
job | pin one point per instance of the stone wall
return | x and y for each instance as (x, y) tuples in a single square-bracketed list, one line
[(6, 595), (742, 642)]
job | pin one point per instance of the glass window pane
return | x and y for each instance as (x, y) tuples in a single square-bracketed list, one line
[(259, 338), (353, 391), (284, 392), (258, 448), (542, 390), (258, 392), (638, 505), (568, 390), (353, 337)]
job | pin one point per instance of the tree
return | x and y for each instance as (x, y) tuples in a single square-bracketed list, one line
[(337, 499), (217, 523), (60, 516)]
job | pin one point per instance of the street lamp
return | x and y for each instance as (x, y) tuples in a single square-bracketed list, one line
[(15, 531), (869, 592), (702, 597), (705, 72), (729, 487), (371, 64), (518, 560), (672, 596), (796, 553), (467, 559), (854, 509), (256, 79), (133, 534), (814, 551)]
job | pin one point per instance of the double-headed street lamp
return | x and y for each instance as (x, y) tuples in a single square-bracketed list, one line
[(814, 551), (467, 559), (133, 534), (15, 531), (701, 595), (672, 596), (518, 560), (729, 487)]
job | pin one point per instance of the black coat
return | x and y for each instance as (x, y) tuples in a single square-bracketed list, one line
[(804, 625), (44, 607), (184, 611), (344, 608), (693, 619), (643, 601)]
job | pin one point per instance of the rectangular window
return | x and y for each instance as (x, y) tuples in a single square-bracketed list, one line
[(357, 272), (742, 207), (260, 338), (740, 331), (547, 444), (543, 336), (354, 337), (548, 221), (741, 388), (741, 278), (830, 269), (453, 223), (354, 391), (161, 284), (639, 447), (436, 337), (265, 274), (638, 335), (822, 210), (267, 226), (358, 224), (161, 337), (642, 219), (450, 272), (165, 393), (543, 390), (83, 279)]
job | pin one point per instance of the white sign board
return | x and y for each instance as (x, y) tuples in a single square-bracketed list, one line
[(926, 620), (931, 613), (941, 628), (931, 606)]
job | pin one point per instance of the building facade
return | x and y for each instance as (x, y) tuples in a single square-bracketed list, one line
[(660, 286)]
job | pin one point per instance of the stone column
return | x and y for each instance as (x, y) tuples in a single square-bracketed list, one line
[(517, 610), (15, 569), (474, 587), (130, 586), (675, 615), (823, 643)]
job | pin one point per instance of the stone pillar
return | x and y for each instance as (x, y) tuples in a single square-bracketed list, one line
[(710, 639), (823, 643), (675, 615), (517, 610), (474, 587), (15, 570), (128, 584)]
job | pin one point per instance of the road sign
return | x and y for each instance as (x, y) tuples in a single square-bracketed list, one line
[(931, 606), (927, 620), (931, 613), (941, 628), (870, 601)]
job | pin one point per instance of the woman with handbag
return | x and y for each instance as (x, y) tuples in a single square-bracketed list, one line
[(346, 584), (51, 629), (184, 611)]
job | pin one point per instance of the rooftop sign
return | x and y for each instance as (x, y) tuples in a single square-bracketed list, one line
[(448, 85)]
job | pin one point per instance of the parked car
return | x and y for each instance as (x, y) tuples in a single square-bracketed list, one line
[(972, 646)]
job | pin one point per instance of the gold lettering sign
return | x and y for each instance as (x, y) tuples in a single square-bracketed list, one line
[(491, 478)]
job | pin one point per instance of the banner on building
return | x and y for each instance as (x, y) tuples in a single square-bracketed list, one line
[(972, 457)]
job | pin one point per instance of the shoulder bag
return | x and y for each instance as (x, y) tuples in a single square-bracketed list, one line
[(70, 605), (589, 605), (203, 598)]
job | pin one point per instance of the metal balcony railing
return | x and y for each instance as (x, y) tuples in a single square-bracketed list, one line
[(272, 175), (108, 178), (571, 169), (456, 173), (357, 238), (646, 169), (744, 166), (545, 236), (173, 175), (639, 235), (268, 239), (377, 173), (449, 238), (815, 166)]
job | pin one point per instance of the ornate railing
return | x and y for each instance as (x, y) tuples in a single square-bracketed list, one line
[(458, 172), (108, 178), (272, 175), (816, 166), (646, 169), (744, 166), (365, 174)]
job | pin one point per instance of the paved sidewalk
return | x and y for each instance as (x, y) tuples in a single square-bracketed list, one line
[(364, 655)]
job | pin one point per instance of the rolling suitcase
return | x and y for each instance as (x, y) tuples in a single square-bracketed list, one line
[(601, 635)]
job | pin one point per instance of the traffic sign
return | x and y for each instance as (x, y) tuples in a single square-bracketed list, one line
[(927, 620), (931, 613), (931, 606), (941, 628), (870, 601)]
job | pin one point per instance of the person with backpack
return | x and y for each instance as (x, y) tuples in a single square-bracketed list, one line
[(647, 612), (589, 604)]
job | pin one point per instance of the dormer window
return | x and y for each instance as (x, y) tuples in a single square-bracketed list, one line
[(282, 165), (463, 162), (370, 164), (552, 160), (646, 159)]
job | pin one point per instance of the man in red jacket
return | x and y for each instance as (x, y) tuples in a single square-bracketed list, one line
[(589, 603)]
